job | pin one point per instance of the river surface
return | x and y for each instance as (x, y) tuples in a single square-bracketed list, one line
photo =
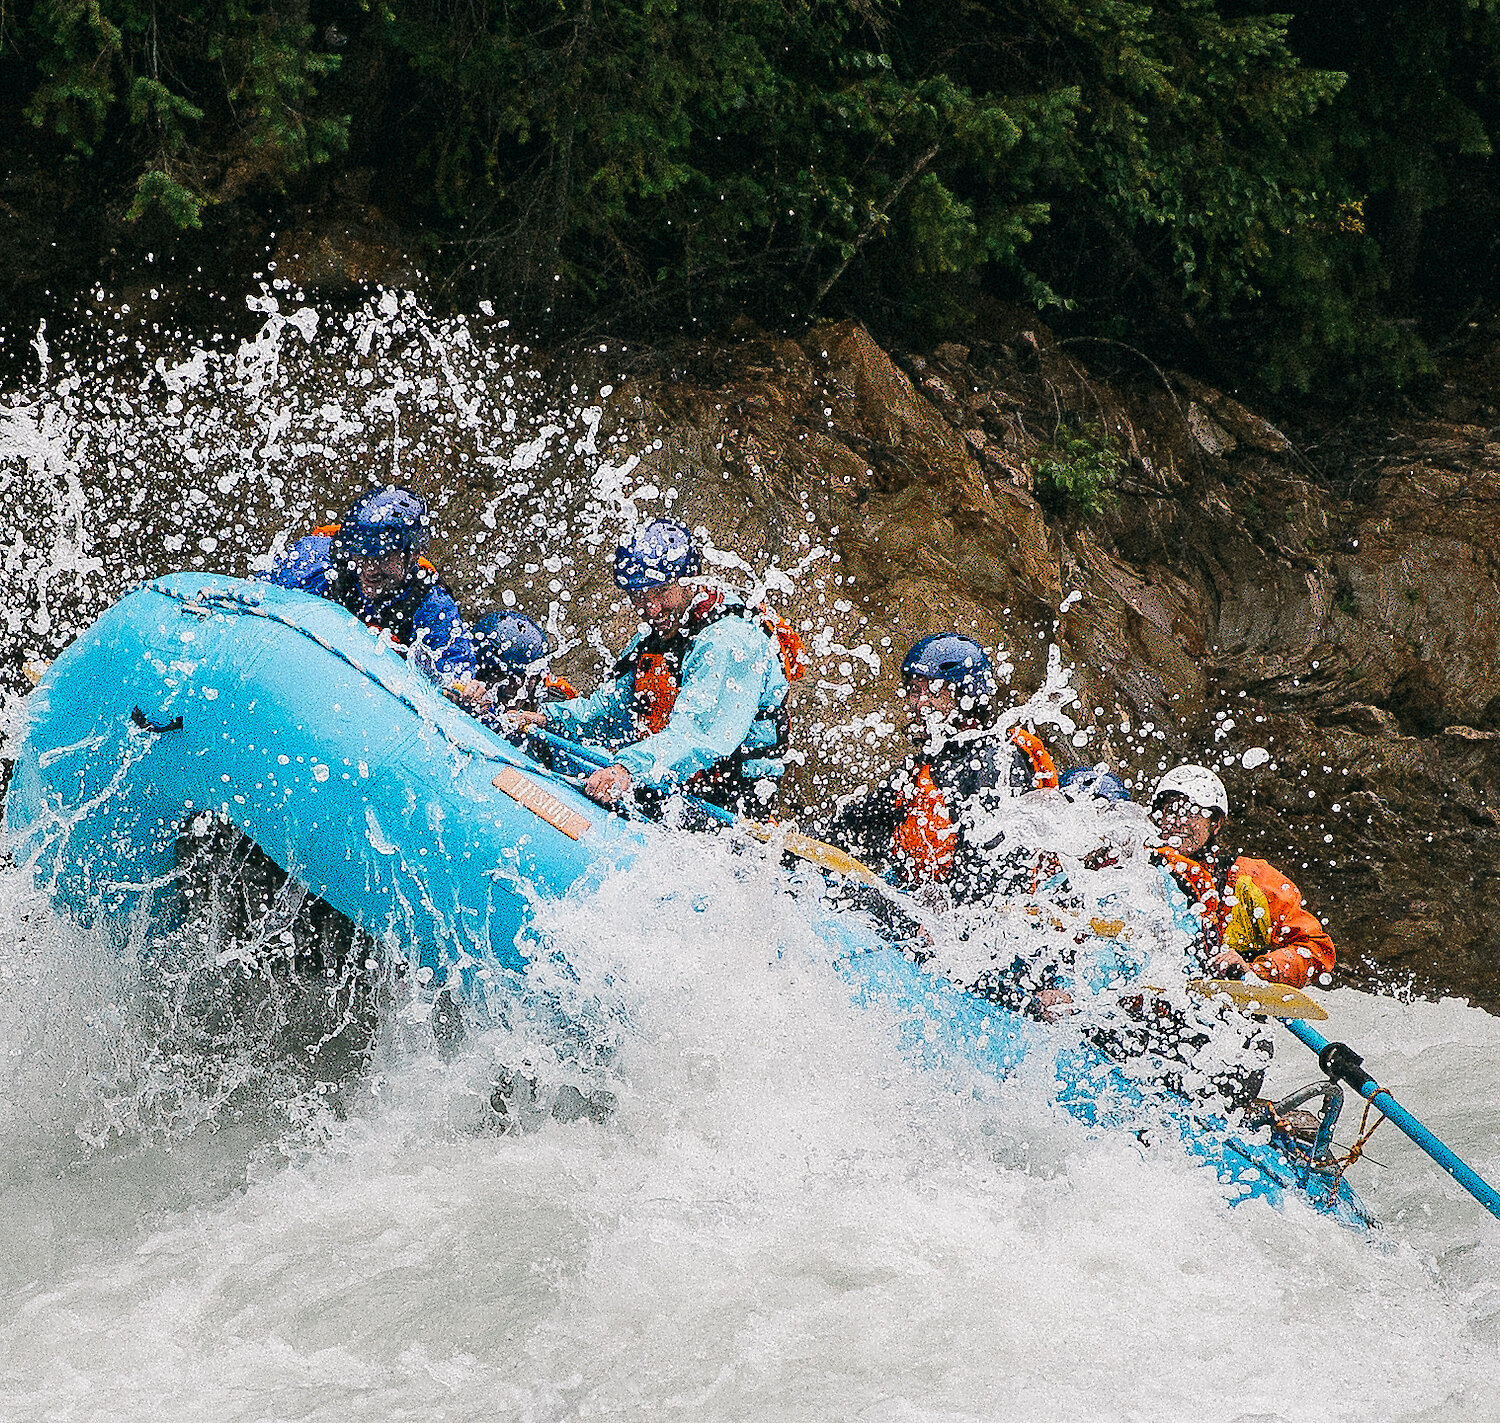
[(782, 1219)]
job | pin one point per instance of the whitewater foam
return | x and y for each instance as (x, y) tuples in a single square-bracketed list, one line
[(783, 1220)]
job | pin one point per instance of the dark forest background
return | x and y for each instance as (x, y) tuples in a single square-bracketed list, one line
[(1299, 202)]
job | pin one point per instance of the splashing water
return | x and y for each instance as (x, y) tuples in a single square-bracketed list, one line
[(782, 1218)]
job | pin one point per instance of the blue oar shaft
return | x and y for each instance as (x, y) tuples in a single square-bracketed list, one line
[(593, 756), (1342, 1064)]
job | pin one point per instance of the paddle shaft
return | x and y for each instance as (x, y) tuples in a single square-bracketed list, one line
[(595, 757), (804, 847), (1342, 1064)]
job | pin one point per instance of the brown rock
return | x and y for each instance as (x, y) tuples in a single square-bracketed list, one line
[(361, 250), (1214, 438), (1234, 599)]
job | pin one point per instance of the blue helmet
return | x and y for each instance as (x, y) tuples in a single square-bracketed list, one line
[(953, 658), (1090, 780), (656, 554), (507, 645), (382, 522)]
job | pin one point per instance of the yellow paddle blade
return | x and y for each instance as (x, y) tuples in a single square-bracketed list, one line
[(815, 852), (1100, 928), (1261, 1000)]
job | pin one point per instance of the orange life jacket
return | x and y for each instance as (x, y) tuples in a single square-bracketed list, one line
[(1044, 770), (926, 840), (653, 693), (1198, 884), (1259, 913)]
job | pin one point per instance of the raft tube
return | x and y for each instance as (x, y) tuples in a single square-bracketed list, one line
[(942, 1024), (282, 713), (287, 716)]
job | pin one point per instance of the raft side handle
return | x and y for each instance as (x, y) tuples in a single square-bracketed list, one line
[(146, 724)]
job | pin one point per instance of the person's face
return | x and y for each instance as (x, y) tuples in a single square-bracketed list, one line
[(662, 607), (383, 575), (518, 693), (930, 702), (1185, 826)]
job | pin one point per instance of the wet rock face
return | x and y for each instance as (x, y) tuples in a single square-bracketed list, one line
[(344, 254), (1233, 599)]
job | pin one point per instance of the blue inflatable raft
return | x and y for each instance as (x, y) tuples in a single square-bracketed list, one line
[(286, 716), (943, 1025)]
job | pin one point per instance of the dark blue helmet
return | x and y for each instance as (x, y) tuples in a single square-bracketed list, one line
[(953, 658), (1090, 780), (507, 645), (656, 554), (382, 522)]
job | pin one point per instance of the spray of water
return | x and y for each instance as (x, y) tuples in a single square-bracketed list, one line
[(238, 1189)]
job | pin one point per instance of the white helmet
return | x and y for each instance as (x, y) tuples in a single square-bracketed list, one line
[(1197, 783)]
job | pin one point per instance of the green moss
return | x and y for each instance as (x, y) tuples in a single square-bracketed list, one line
[(1079, 475)]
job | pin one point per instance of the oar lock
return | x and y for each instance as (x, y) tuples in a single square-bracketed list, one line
[(1340, 1063)]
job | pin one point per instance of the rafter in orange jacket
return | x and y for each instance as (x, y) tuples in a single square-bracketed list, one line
[(1260, 916)]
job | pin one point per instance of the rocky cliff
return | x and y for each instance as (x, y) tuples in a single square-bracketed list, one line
[(1319, 618), (1237, 597)]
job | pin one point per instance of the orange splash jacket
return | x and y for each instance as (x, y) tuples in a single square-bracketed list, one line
[(1258, 912)]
